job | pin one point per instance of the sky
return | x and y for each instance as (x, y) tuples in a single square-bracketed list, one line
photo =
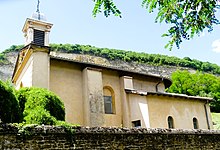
[(73, 23)]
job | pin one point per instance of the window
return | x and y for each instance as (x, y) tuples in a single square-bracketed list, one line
[(39, 37), (195, 123), (108, 104), (136, 123), (109, 100), (170, 122)]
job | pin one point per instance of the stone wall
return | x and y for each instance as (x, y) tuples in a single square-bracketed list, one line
[(48, 137)]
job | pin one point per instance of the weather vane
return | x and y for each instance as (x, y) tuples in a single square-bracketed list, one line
[(38, 9)]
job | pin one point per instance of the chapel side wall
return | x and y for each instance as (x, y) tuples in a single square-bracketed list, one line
[(41, 69), (25, 78), (66, 82), (139, 109), (147, 84), (111, 79), (182, 110)]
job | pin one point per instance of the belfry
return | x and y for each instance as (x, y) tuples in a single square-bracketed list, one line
[(36, 29)]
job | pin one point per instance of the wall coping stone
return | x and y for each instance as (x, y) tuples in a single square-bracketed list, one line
[(46, 129)]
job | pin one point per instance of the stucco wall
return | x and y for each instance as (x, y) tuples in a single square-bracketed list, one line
[(93, 99), (40, 74), (139, 109), (66, 82), (111, 80), (25, 78), (182, 110), (147, 84), (51, 138)]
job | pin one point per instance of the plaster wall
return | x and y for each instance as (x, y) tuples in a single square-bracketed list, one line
[(41, 69), (147, 84), (25, 78), (93, 101), (111, 80), (139, 109), (182, 110), (66, 82)]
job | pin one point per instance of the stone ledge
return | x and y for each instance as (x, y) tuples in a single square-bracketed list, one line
[(45, 129)]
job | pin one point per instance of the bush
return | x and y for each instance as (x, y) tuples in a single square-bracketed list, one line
[(40, 106), (9, 107), (40, 116)]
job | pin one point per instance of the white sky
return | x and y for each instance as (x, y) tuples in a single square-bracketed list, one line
[(74, 24)]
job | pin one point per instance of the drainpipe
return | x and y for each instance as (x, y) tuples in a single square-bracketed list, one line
[(158, 84), (206, 113)]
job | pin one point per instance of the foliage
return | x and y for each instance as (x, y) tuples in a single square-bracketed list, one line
[(216, 120), (13, 48), (108, 7), (39, 116), (186, 18), (197, 84), (153, 59), (40, 106), (9, 107), (114, 54)]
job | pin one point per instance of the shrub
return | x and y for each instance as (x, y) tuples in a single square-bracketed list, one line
[(40, 106), (40, 116), (9, 107)]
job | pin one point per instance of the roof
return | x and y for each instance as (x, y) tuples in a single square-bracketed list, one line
[(167, 81), (145, 93)]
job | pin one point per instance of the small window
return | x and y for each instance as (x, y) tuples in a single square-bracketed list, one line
[(108, 104), (195, 123), (170, 122), (136, 123), (109, 100)]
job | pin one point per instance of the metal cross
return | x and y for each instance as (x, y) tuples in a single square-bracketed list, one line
[(38, 9), (38, 6)]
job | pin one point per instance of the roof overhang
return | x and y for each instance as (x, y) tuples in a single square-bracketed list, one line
[(144, 93)]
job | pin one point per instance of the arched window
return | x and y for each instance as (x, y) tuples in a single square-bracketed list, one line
[(195, 123), (170, 122), (109, 100)]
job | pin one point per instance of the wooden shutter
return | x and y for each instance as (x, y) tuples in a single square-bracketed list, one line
[(39, 37)]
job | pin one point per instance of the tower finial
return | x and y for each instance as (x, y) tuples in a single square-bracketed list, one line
[(38, 9)]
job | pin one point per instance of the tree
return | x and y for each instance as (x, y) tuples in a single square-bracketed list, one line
[(9, 107), (186, 17), (197, 84)]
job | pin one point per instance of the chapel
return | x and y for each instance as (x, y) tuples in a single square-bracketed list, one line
[(100, 95)]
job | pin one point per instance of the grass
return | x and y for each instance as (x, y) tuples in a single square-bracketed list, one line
[(216, 120)]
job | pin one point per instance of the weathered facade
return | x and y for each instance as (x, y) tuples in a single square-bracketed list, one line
[(97, 95)]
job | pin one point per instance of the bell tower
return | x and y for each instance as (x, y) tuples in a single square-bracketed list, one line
[(33, 63), (36, 29)]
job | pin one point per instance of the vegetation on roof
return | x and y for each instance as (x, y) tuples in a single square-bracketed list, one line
[(114, 54)]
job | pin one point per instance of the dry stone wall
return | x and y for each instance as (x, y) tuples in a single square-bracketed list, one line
[(48, 137)]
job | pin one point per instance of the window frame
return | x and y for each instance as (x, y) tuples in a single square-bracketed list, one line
[(110, 93), (108, 100), (136, 123), (195, 123), (170, 122)]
